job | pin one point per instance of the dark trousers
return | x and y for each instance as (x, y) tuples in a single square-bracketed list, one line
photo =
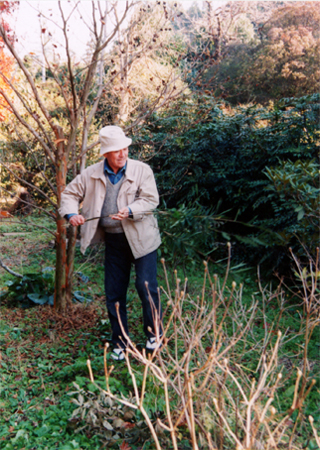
[(118, 261)]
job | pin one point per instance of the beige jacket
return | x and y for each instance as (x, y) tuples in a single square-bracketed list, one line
[(138, 191)]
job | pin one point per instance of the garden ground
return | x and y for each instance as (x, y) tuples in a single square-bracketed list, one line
[(43, 359)]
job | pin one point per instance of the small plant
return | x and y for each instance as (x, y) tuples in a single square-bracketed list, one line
[(33, 288), (37, 289)]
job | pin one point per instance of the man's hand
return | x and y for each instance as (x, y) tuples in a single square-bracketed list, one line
[(122, 214), (77, 220)]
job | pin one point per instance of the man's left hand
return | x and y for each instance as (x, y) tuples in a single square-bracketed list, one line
[(122, 214)]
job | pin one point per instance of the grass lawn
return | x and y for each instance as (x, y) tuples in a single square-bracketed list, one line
[(46, 398)]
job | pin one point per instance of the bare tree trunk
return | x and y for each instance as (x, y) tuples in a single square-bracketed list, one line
[(65, 253), (72, 239), (60, 292), (39, 123), (65, 151)]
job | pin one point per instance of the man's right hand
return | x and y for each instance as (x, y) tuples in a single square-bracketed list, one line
[(77, 220)]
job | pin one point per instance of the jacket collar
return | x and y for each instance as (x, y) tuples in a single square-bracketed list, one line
[(129, 170), (100, 174)]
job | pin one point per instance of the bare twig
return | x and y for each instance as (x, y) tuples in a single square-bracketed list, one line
[(10, 270)]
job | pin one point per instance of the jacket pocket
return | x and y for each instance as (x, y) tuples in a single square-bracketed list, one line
[(131, 195)]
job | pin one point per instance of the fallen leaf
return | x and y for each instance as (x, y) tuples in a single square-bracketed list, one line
[(128, 415), (125, 446), (5, 214), (107, 425), (118, 423)]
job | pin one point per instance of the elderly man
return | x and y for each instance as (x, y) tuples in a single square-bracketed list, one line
[(122, 192)]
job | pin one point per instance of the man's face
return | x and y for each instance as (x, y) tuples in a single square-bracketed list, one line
[(118, 159)]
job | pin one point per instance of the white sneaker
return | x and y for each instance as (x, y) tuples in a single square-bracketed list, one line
[(152, 344), (117, 354)]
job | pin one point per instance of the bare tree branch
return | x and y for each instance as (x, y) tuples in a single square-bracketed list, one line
[(32, 114), (29, 223), (32, 186), (28, 76), (9, 270), (37, 162), (27, 126), (70, 71), (51, 215)]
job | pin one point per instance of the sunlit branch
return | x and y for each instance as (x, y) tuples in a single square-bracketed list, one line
[(70, 71), (51, 215), (28, 76), (32, 186), (32, 224), (27, 126), (35, 117)]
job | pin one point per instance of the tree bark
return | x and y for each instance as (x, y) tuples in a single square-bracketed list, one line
[(71, 250), (60, 292)]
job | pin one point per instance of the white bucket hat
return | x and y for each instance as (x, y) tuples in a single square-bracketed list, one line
[(112, 139)]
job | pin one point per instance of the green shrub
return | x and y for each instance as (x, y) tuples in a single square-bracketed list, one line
[(211, 154)]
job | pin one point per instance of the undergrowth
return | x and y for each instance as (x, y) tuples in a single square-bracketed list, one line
[(232, 374), (47, 400)]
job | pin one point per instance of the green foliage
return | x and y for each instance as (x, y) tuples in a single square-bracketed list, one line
[(37, 372), (33, 288), (35, 407), (37, 289), (297, 186), (189, 233), (211, 154)]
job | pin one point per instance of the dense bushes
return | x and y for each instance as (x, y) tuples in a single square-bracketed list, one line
[(242, 158), (278, 58)]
